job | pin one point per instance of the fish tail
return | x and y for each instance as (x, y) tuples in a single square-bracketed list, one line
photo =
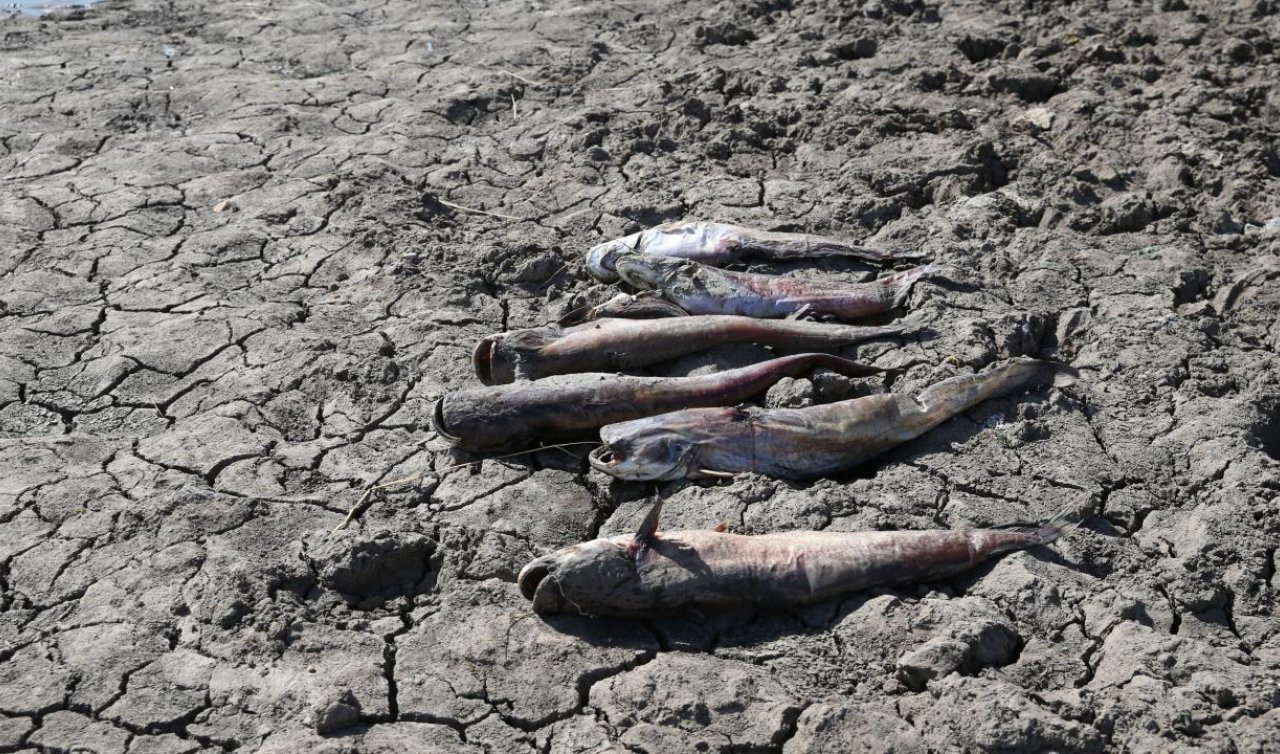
[(1064, 521), (950, 397), (810, 361), (899, 284), (740, 384), (1022, 536), (794, 334), (1064, 375), (788, 246)]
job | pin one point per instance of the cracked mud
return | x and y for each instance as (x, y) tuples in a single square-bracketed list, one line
[(244, 247)]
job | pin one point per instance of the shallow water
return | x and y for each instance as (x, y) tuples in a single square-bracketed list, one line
[(40, 7)]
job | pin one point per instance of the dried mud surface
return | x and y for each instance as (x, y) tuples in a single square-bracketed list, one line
[(233, 279)]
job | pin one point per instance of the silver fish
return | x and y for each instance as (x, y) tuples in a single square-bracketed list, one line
[(800, 443), (720, 243), (651, 572), (611, 345), (699, 289)]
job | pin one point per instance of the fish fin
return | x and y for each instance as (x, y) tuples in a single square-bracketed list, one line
[(576, 316), (804, 312), (1064, 375), (720, 528), (1053, 373), (647, 536)]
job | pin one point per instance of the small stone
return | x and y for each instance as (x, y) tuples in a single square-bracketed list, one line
[(1040, 118), (1239, 50), (335, 713), (789, 392), (1127, 213), (854, 49), (965, 648), (937, 657)]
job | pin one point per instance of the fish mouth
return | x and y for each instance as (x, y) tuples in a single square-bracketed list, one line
[(609, 461), (438, 424), (604, 458), (482, 359), (531, 577), (538, 584)]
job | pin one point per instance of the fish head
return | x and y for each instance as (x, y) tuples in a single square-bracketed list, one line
[(496, 358), (602, 258), (650, 271), (586, 578), (657, 448), (661, 459)]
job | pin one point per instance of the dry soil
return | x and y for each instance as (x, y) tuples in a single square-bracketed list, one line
[(245, 245)]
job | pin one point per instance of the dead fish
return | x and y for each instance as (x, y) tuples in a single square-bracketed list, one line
[(699, 289), (647, 573), (644, 305), (573, 405), (719, 243), (801, 443), (615, 344)]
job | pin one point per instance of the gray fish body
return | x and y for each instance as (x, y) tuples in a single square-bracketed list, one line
[(720, 243), (708, 569), (566, 406), (607, 345), (699, 289), (800, 443), (648, 305)]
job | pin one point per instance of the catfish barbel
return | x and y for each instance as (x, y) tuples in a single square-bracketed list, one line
[(699, 289), (720, 243), (524, 413), (650, 572), (801, 443), (611, 345)]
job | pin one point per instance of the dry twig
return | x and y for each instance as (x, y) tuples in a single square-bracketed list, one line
[(525, 79), (360, 502)]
